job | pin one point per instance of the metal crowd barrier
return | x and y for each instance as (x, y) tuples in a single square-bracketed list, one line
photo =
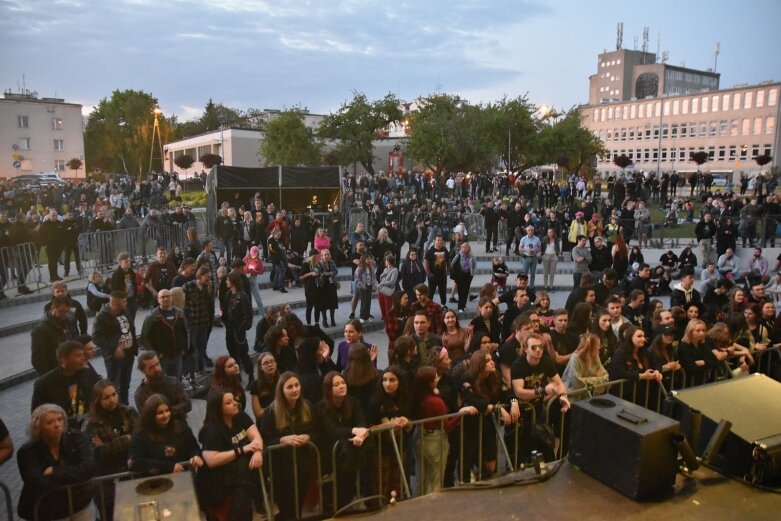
[(16, 263), (98, 482), (269, 465)]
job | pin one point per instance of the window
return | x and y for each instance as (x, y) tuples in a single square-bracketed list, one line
[(625, 114), (59, 165), (666, 108), (646, 154), (772, 97), (665, 129), (754, 150), (736, 101), (757, 126), (674, 131), (190, 152), (202, 151), (23, 121), (747, 101), (733, 152), (673, 154), (743, 152), (648, 132), (711, 153), (704, 104), (713, 129), (56, 123), (684, 129), (725, 102), (768, 150), (770, 124), (760, 99), (216, 149), (59, 144), (664, 154), (641, 111), (623, 134), (658, 109), (656, 132), (676, 107), (610, 114), (723, 127), (655, 154), (631, 134), (695, 105), (714, 106), (633, 111), (703, 129), (733, 128), (746, 127), (24, 143), (722, 153), (609, 135), (685, 106)]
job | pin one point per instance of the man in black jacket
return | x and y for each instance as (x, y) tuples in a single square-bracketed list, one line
[(55, 328), (165, 332), (155, 382), (705, 232), (684, 292), (601, 258), (51, 236), (79, 317), (68, 385), (70, 239), (238, 320), (115, 333), (491, 224)]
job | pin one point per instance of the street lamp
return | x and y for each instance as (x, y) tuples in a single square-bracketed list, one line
[(155, 128)]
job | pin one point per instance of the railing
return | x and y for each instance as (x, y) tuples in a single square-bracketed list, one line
[(105, 505), (16, 263)]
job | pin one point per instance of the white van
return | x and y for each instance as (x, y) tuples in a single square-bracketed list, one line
[(50, 178)]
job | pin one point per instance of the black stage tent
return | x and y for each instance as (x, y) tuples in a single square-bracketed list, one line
[(290, 187)]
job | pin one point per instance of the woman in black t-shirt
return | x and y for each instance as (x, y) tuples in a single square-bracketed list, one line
[(262, 388), (233, 452)]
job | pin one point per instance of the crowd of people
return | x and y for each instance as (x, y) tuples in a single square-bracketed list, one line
[(519, 359)]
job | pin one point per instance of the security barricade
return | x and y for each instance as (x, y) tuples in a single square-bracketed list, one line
[(19, 266), (103, 494)]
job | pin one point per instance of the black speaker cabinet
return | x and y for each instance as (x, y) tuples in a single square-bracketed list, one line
[(752, 450), (158, 498), (624, 446)]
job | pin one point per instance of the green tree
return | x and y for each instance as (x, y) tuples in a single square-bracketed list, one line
[(184, 161), (700, 158), (120, 128), (289, 142), (622, 162), (356, 124), (74, 164), (448, 134), (569, 139), (209, 160), (511, 129)]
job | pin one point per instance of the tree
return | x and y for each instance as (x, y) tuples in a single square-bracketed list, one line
[(762, 160), (622, 161), (568, 137), (209, 160), (74, 164), (184, 161), (356, 124), (121, 127), (700, 158), (511, 129), (289, 142), (447, 134)]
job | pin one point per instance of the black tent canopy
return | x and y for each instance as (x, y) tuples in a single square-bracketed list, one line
[(290, 187)]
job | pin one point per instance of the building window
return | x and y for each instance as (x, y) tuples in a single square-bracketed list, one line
[(723, 127), (641, 111), (664, 154), (674, 131), (747, 101), (722, 153), (760, 99), (772, 97), (703, 129), (666, 108), (59, 165), (770, 124), (736, 101), (713, 128), (656, 132), (676, 106), (56, 123), (746, 127), (733, 152), (202, 151), (23, 121), (704, 104), (648, 132), (646, 154), (655, 154), (733, 128), (743, 152), (757, 126), (711, 153), (725, 102), (695, 105), (24, 143), (768, 150), (658, 109), (633, 111), (673, 154), (714, 106), (610, 114), (754, 150), (685, 106), (664, 131), (684, 129), (59, 144)]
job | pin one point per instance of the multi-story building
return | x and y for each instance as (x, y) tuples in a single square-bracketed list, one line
[(660, 132), (39, 135)]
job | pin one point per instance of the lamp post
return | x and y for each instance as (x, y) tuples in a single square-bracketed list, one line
[(155, 128)]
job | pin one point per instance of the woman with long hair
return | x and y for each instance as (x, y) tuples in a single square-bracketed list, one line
[(432, 444), (696, 354), (262, 389), (54, 456), (314, 362), (321, 241), (391, 406), (737, 300), (454, 337), (162, 443), (253, 269), (310, 271), (96, 292), (406, 358), (328, 284), (602, 326), (412, 273), (760, 335), (360, 374), (353, 333), (726, 235), (455, 246), (480, 388), (341, 419), (486, 320), (550, 257), (364, 278), (663, 356), (194, 246), (543, 309), (688, 259), (582, 316), (636, 256), (630, 362), (289, 421), (277, 342), (227, 375), (396, 319), (233, 452), (620, 256), (585, 369), (386, 288)]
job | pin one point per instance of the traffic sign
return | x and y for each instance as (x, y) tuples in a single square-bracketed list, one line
[(17, 164)]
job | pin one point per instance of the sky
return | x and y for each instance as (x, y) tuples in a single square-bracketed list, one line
[(315, 54)]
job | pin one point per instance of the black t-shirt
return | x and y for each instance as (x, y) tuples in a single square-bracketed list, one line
[(508, 352), (169, 314), (437, 260), (564, 343), (215, 483), (218, 437), (533, 376), (164, 279)]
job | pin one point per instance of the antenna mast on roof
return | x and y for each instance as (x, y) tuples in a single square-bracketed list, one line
[(620, 36), (716, 55), (645, 42)]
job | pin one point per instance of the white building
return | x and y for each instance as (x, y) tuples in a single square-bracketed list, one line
[(39, 135)]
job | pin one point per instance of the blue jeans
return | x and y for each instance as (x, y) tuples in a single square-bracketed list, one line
[(278, 275), (255, 290), (172, 365), (529, 266), (199, 339), (118, 373)]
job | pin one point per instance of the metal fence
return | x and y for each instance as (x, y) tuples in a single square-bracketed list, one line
[(19, 266)]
